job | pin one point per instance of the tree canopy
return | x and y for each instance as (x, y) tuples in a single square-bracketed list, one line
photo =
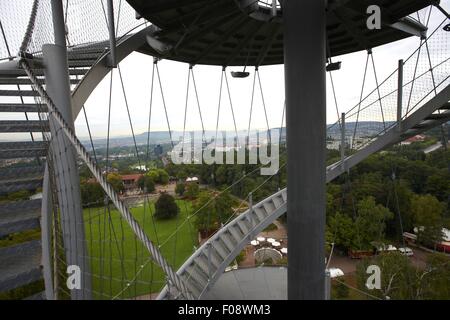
[(166, 207)]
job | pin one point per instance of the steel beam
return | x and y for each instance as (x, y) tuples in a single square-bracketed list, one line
[(64, 156), (304, 23), (112, 35)]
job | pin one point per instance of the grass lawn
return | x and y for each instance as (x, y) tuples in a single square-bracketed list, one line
[(111, 239)]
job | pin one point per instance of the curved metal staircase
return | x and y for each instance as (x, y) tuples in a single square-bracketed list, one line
[(20, 264)]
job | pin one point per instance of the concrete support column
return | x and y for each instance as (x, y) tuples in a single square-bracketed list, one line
[(304, 59), (64, 156)]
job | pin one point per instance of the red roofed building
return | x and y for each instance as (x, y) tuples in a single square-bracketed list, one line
[(130, 181), (418, 138)]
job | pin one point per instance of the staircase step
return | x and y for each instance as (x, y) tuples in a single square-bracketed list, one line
[(254, 218), (96, 48), (225, 243), (193, 285), (202, 264), (260, 213), (446, 106), (26, 81), (216, 260), (14, 173), (20, 265), (78, 71), (284, 195), (269, 206), (29, 184), (244, 225), (19, 216), (36, 72), (221, 250), (20, 107), (228, 240), (423, 124), (18, 93), (236, 233), (92, 55), (277, 201), (15, 150), (197, 274), (11, 173), (24, 126), (439, 116), (81, 63), (21, 206)]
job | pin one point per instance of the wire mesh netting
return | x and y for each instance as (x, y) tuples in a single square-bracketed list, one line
[(86, 23), (425, 73)]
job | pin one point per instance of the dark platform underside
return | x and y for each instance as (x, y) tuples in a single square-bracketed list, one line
[(240, 32)]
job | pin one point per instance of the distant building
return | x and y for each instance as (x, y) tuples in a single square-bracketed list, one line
[(443, 245), (130, 181), (418, 138)]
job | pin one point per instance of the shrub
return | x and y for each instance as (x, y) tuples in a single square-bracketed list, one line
[(166, 207), (91, 193), (192, 190), (115, 180), (159, 176), (163, 176)]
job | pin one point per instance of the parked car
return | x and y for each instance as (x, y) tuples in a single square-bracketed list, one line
[(335, 272), (386, 248), (406, 251)]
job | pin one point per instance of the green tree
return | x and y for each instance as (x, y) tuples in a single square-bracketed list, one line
[(397, 276), (149, 185), (91, 193), (438, 185), (166, 207), (369, 185), (115, 180), (434, 281), (163, 176), (212, 209), (154, 175), (146, 183), (401, 280), (221, 174), (192, 190), (180, 188), (181, 175), (417, 173), (370, 223), (398, 199), (341, 231), (427, 211)]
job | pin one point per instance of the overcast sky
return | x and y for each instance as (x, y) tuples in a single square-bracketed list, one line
[(137, 68)]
